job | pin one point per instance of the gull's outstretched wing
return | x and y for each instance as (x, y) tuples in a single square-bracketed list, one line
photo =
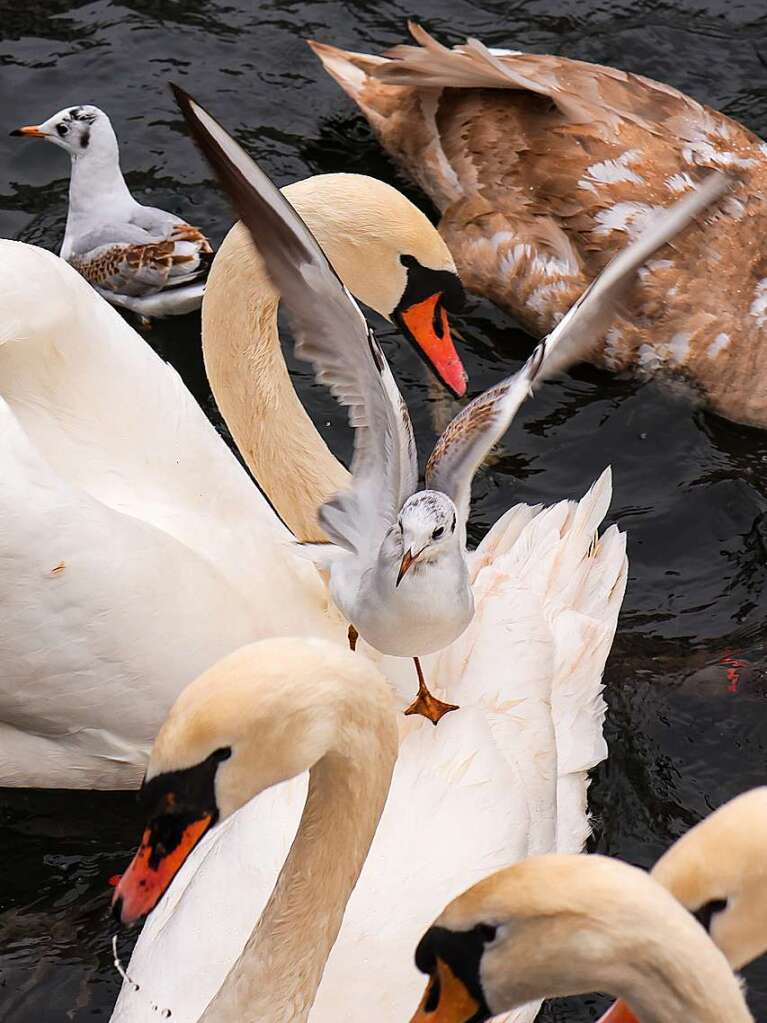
[(330, 332), (467, 439)]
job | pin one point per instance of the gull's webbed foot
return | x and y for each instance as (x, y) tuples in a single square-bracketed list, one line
[(425, 704)]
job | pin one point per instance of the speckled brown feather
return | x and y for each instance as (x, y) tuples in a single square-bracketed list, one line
[(120, 267), (540, 184)]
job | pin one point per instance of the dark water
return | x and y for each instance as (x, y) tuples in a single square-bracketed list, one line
[(691, 490)]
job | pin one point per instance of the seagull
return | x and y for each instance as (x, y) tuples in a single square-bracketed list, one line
[(396, 560), (136, 257)]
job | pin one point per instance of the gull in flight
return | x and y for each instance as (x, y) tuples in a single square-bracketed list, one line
[(397, 554), (135, 256)]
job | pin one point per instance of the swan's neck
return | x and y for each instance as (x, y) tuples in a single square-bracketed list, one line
[(276, 978), (692, 983), (250, 381)]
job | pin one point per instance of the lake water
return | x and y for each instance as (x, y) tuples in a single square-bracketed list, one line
[(685, 733)]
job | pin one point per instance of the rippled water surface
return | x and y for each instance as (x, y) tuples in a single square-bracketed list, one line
[(691, 490)]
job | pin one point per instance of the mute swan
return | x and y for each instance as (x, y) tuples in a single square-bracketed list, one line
[(565, 925), (543, 167), (264, 714), (717, 872), (137, 257), (135, 550)]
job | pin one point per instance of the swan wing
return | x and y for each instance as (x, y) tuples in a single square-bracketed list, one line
[(469, 437), (331, 333)]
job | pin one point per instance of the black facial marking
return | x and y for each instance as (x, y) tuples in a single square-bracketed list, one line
[(78, 114), (462, 952), (375, 351), (85, 139), (176, 798), (705, 913), (423, 282), (452, 528)]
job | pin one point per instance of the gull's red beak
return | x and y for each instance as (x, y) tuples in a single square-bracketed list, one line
[(405, 564), (426, 325), (165, 845), (31, 130), (618, 1012)]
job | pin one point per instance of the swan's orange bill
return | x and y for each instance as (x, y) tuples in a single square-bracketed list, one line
[(152, 869), (447, 1000), (427, 324), (618, 1012), (30, 129)]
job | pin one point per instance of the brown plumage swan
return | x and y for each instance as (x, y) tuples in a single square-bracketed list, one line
[(543, 167)]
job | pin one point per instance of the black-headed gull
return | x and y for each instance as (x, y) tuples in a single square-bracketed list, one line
[(138, 257)]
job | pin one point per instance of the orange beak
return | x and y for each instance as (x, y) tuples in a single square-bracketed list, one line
[(426, 324), (152, 869), (407, 561), (31, 130), (618, 1012), (446, 1000)]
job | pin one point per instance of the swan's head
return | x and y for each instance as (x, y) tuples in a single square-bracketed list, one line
[(428, 524), (260, 716), (718, 871), (554, 926), (391, 257), (81, 130)]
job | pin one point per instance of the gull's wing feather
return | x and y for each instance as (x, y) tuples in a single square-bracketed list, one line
[(469, 437), (330, 332), (129, 259)]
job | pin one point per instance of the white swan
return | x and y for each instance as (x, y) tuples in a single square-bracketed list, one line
[(262, 715), (135, 550), (567, 925)]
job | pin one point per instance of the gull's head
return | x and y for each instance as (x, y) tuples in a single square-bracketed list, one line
[(428, 525), (391, 257), (81, 130)]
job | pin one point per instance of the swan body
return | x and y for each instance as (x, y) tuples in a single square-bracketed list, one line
[(563, 925), (137, 257), (544, 167)]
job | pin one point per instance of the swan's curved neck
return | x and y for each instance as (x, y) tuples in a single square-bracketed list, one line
[(250, 382), (666, 988), (276, 978)]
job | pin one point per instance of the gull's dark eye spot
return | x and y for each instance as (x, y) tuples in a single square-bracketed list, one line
[(62, 129), (438, 532)]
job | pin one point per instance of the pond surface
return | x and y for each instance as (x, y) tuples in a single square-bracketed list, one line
[(686, 729)]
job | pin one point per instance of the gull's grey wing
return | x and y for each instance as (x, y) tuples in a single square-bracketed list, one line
[(330, 332), (469, 437), (128, 259)]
